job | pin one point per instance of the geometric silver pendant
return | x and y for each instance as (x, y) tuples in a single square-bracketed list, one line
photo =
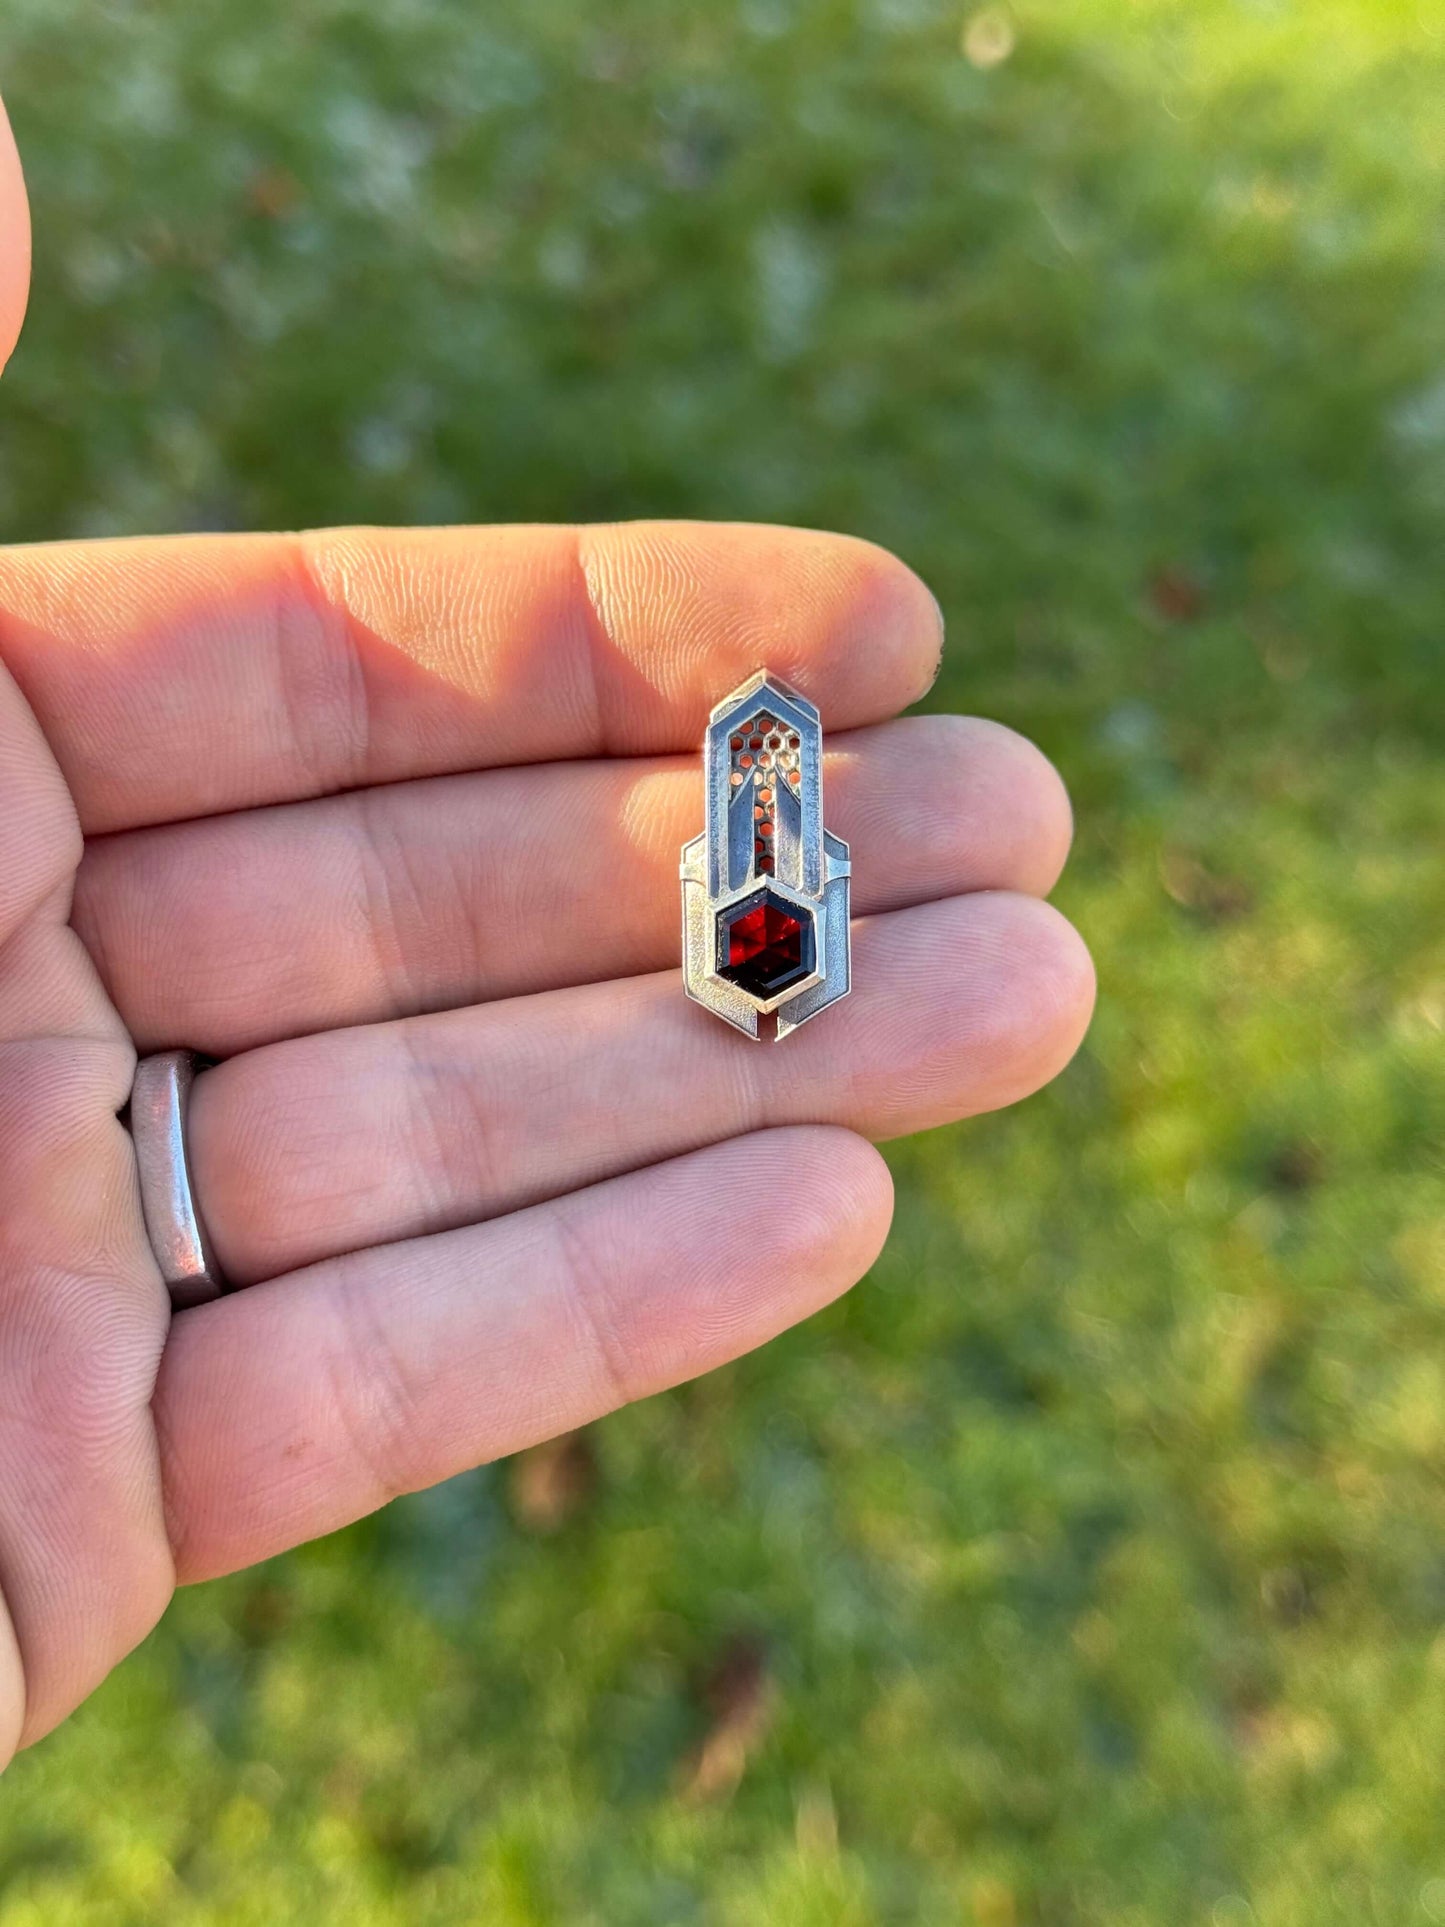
[(765, 887)]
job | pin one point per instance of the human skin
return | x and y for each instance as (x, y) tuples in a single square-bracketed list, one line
[(334, 808)]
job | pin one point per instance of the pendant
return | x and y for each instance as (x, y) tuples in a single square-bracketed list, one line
[(765, 887)]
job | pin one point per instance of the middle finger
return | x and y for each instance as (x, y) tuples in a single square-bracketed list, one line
[(234, 931), (325, 1144)]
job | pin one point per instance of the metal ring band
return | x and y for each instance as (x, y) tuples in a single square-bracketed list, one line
[(159, 1100)]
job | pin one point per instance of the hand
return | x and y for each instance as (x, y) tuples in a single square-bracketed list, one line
[(389, 822)]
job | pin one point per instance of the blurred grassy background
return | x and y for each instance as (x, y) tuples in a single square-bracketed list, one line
[(1088, 1565)]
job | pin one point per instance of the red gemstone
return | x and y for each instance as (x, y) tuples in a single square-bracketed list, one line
[(767, 949)]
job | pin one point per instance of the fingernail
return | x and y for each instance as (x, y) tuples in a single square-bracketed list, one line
[(942, 639)]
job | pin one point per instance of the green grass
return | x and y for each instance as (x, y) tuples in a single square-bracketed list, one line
[(1095, 1548)]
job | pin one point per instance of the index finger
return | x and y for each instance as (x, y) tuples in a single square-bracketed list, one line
[(180, 676)]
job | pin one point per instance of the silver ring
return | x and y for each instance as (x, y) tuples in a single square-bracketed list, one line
[(159, 1100), (765, 887)]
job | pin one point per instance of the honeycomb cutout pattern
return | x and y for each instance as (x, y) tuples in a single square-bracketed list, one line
[(764, 754)]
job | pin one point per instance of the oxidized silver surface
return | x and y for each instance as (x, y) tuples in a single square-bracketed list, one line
[(159, 1099), (764, 848)]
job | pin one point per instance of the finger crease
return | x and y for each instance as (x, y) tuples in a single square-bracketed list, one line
[(465, 1162), (597, 640), (372, 1396), (385, 861), (590, 1298), (322, 676)]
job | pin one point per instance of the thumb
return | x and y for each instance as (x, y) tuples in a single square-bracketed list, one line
[(14, 242)]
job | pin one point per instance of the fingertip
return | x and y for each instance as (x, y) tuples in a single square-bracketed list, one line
[(1055, 987), (752, 1235), (960, 804), (1000, 786), (1054, 833), (1039, 817), (895, 631), (1006, 991), (842, 1207), (835, 1211), (14, 242), (1078, 978), (704, 604)]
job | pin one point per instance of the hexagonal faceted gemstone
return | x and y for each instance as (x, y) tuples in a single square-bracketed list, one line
[(764, 946)]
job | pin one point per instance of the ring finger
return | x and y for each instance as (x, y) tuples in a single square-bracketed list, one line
[(326, 1144)]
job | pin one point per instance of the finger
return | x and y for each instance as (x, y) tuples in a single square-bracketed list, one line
[(14, 242), (84, 1564), (359, 1137), (286, 1411), (39, 836), (181, 677), (242, 929)]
